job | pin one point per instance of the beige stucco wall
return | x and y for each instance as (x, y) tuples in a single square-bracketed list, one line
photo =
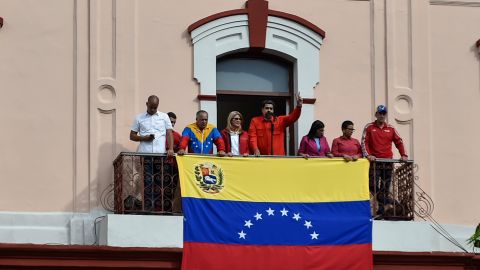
[(36, 79), (74, 73), (455, 92)]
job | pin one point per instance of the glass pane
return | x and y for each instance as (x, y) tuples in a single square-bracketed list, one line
[(250, 74)]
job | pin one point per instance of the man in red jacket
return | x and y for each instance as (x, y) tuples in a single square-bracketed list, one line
[(377, 140), (378, 136), (267, 132)]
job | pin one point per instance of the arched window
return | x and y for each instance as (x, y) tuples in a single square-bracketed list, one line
[(267, 38), (244, 80)]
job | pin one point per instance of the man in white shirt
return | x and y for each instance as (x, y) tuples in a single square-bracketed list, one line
[(152, 128)]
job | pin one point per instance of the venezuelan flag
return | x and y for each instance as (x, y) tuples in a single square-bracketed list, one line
[(275, 213)]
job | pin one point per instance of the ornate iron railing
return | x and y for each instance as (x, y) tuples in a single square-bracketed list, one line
[(146, 184), (392, 185)]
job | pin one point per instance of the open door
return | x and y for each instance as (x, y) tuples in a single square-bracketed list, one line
[(244, 80)]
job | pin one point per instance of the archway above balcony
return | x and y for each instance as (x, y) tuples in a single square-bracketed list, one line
[(256, 28)]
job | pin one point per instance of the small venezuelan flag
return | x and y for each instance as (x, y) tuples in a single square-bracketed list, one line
[(275, 213)]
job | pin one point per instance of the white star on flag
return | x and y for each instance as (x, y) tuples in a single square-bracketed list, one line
[(270, 211), (296, 216), (248, 223), (258, 216), (242, 235), (284, 212), (308, 224), (314, 235)]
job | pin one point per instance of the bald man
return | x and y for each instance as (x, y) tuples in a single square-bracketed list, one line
[(152, 128)]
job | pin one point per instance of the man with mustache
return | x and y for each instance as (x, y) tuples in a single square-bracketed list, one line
[(267, 132)]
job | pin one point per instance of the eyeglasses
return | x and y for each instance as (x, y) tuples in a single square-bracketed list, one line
[(236, 118)]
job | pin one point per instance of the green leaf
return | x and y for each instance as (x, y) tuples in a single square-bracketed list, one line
[(475, 238)]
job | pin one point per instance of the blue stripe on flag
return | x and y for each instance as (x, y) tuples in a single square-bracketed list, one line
[(277, 223)]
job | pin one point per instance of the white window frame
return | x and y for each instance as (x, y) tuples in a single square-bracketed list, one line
[(284, 38)]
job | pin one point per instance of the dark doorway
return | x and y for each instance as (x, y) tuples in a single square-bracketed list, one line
[(244, 80), (250, 106)]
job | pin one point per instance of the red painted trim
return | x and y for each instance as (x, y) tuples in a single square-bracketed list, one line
[(29, 256), (21, 256), (214, 17), (207, 97), (298, 20), (275, 13), (257, 23), (253, 93), (426, 259), (309, 100), (478, 43)]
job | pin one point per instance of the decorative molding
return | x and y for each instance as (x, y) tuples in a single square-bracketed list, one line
[(105, 83), (253, 93), (440, 259), (214, 17), (105, 20), (74, 106), (257, 22), (287, 36), (309, 100), (472, 3), (80, 105), (22, 256), (207, 97), (258, 12), (298, 20)]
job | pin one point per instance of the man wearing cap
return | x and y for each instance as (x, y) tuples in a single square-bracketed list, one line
[(377, 140)]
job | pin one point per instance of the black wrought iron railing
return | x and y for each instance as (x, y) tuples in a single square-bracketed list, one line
[(392, 188), (148, 184)]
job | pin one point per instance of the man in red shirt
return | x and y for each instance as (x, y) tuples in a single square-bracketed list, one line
[(176, 136), (267, 132), (377, 140)]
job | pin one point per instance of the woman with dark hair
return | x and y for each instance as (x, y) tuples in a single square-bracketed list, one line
[(236, 139), (345, 146), (314, 143)]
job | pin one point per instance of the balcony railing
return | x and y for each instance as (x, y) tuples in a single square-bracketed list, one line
[(148, 184), (392, 189)]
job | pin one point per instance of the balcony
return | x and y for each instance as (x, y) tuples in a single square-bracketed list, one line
[(148, 184)]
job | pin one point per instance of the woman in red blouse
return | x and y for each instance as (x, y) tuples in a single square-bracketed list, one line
[(345, 146), (235, 138)]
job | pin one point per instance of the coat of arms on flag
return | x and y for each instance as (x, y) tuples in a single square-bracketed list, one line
[(209, 177), (275, 213)]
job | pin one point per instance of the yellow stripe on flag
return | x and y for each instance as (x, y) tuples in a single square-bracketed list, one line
[(273, 179)]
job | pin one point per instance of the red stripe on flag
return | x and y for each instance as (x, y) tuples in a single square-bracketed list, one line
[(200, 256)]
